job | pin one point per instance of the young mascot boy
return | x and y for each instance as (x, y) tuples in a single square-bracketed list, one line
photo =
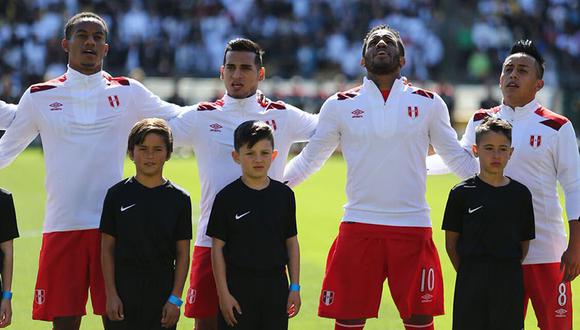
[(253, 226), (489, 222), (8, 232), (146, 229)]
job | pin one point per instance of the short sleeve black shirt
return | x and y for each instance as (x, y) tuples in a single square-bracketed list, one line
[(254, 224), (492, 221), (8, 227), (146, 223)]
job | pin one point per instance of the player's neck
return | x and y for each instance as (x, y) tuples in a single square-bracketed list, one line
[(384, 81), (516, 103), (150, 181), (256, 183), (493, 179)]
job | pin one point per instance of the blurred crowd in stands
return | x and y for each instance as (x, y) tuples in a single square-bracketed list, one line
[(451, 41)]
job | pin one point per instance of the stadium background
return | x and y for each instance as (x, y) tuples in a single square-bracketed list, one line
[(312, 50)]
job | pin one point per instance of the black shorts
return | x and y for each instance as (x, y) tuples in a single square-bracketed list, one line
[(489, 295), (262, 298), (143, 295)]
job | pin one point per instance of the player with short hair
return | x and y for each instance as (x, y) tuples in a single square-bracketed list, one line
[(83, 118), (488, 223), (384, 128), (253, 225), (8, 232), (545, 152), (146, 229), (209, 128)]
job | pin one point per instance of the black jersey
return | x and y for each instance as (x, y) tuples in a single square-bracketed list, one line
[(8, 227), (146, 222), (492, 221), (254, 224)]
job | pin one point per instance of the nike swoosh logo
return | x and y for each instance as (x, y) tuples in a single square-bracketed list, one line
[(123, 209), (238, 217), (473, 210)]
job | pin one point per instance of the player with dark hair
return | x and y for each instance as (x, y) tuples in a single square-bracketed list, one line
[(209, 128), (83, 118), (545, 152), (488, 223), (146, 229), (384, 128), (255, 245)]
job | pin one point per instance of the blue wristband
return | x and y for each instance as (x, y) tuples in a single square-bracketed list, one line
[(174, 300), (7, 295), (294, 287)]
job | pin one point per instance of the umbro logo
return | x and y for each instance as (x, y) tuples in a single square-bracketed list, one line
[(238, 217), (561, 312), (215, 127), (470, 210), (426, 298), (125, 208), (56, 106), (358, 113)]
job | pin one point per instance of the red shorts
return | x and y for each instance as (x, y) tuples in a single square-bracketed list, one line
[(69, 264), (551, 299), (363, 256), (201, 301)]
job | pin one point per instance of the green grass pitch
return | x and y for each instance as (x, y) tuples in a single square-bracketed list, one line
[(319, 207)]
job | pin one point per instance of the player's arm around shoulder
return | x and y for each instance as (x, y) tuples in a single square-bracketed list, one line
[(227, 302), (7, 114), (149, 105), (184, 126)]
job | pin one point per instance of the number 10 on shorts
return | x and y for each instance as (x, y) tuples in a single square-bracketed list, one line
[(427, 279)]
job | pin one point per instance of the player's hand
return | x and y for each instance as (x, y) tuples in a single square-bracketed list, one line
[(115, 308), (227, 305), (5, 313), (294, 303), (169, 315), (570, 264)]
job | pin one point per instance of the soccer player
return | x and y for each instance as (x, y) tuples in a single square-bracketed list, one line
[(545, 152), (210, 129), (83, 118), (384, 127), (146, 229), (7, 113), (253, 225), (8, 232), (488, 223)]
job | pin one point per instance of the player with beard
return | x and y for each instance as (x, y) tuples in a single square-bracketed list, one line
[(384, 128)]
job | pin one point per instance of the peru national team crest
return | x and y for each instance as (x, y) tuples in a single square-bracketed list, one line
[(535, 140), (413, 112), (114, 101), (191, 296), (40, 296), (327, 297)]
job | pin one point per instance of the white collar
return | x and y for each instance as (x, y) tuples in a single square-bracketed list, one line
[(510, 114), (76, 76)]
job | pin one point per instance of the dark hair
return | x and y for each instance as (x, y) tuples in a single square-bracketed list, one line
[(492, 124), (69, 26), (529, 48), (147, 126), (251, 132), (245, 45), (388, 28)]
